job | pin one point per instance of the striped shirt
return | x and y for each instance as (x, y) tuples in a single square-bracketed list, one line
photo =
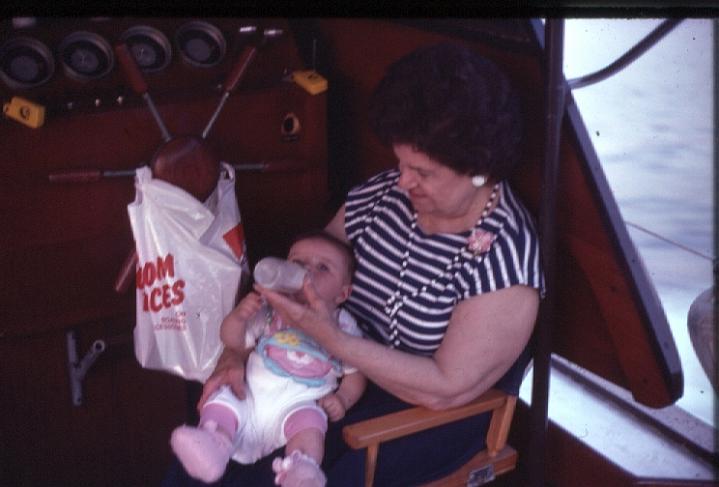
[(410, 310)]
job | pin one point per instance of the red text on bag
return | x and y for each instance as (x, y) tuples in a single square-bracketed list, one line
[(161, 296)]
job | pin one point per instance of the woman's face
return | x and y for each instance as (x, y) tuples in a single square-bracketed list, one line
[(327, 266), (434, 189)]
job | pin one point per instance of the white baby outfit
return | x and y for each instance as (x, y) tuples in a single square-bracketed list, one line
[(287, 371)]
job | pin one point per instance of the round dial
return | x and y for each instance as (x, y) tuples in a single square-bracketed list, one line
[(25, 63), (200, 44), (85, 56), (149, 47)]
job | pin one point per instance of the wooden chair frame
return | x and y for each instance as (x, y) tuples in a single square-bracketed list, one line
[(496, 459)]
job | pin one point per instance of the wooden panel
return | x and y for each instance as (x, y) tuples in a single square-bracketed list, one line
[(118, 436), (63, 244)]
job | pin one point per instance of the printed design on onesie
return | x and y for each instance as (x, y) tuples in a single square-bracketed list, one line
[(291, 353)]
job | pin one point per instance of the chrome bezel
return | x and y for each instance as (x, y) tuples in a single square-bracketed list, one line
[(36, 47), (95, 41), (152, 36), (207, 30)]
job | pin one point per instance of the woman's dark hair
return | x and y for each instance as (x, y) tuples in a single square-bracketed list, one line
[(344, 247), (452, 104)]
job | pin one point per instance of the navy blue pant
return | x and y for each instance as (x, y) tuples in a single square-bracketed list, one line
[(403, 462)]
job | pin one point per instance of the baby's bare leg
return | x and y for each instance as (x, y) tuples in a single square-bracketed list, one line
[(305, 432), (310, 441)]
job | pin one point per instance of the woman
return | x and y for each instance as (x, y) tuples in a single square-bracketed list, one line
[(447, 283)]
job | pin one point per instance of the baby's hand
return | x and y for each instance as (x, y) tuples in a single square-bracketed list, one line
[(248, 307), (333, 406)]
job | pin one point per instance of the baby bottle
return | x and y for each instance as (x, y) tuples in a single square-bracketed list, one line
[(279, 275)]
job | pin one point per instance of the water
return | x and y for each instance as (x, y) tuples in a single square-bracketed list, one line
[(652, 128)]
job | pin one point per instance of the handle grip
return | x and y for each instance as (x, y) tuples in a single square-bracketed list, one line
[(130, 69), (273, 165), (126, 274), (88, 176), (233, 79)]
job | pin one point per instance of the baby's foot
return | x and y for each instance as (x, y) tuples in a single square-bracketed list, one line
[(204, 452), (298, 470)]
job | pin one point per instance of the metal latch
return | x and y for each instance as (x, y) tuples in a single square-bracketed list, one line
[(480, 476), (78, 367)]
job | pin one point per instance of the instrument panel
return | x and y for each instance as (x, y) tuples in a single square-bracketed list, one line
[(25, 62), (200, 44), (85, 56), (69, 64), (149, 47)]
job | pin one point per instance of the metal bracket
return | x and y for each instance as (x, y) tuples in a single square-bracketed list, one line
[(480, 476), (78, 368)]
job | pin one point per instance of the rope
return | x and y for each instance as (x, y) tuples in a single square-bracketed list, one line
[(672, 242)]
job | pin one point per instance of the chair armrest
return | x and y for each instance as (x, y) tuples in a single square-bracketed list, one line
[(370, 433), (395, 425)]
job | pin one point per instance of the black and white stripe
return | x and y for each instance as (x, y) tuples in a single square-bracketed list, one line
[(378, 222)]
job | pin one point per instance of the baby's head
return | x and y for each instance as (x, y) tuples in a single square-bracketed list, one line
[(330, 263)]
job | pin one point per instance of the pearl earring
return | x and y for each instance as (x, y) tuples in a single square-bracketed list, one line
[(478, 180)]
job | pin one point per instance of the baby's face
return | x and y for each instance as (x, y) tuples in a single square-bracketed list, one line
[(327, 266)]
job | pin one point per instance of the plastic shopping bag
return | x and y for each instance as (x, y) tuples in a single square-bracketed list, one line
[(190, 259)]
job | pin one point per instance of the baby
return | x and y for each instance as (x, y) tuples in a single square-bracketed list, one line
[(290, 381)]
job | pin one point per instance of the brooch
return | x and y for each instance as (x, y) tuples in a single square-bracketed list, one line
[(479, 241)]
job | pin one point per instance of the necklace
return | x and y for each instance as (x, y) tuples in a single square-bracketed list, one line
[(478, 243)]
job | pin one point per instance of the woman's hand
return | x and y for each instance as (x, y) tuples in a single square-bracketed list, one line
[(230, 370), (314, 318)]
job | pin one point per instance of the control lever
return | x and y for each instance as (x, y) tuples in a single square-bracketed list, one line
[(138, 85), (238, 71)]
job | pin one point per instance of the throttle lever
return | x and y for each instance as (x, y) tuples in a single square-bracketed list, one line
[(138, 85), (238, 71)]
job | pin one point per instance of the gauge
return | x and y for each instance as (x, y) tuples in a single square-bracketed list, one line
[(200, 44), (85, 56), (25, 63), (149, 47)]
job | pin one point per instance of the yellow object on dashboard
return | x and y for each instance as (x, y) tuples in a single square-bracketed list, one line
[(313, 82), (25, 112)]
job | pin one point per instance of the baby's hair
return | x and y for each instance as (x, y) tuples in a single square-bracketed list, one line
[(344, 247)]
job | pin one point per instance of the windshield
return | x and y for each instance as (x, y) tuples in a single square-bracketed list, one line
[(652, 128)]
